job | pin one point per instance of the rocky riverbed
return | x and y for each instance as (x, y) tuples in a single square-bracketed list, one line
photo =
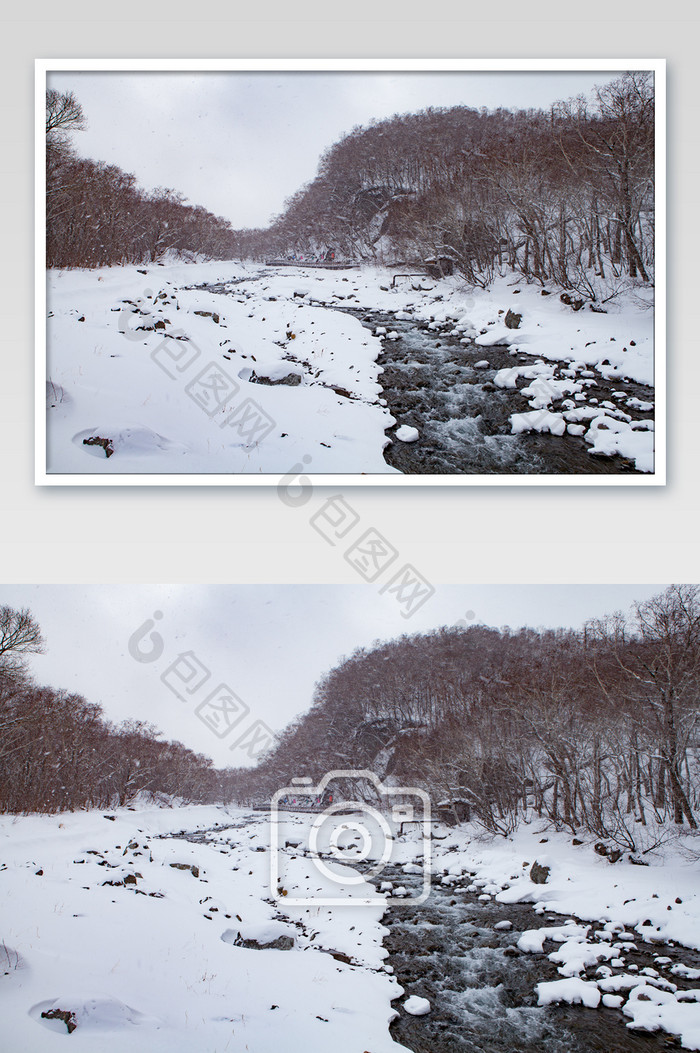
[(447, 388), (459, 950)]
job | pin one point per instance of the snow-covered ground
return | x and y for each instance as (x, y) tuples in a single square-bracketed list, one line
[(146, 941), (170, 376), (162, 378), (134, 935)]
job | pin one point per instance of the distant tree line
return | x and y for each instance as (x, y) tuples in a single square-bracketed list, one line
[(98, 216), (593, 730), (563, 196), (58, 753)]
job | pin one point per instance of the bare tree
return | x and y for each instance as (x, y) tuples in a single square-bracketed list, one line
[(19, 633), (657, 653), (64, 115)]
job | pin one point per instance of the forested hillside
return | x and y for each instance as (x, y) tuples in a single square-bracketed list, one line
[(59, 753), (98, 216), (565, 195), (594, 730)]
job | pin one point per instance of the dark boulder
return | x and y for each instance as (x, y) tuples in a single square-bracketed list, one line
[(106, 444), (282, 943), (291, 380), (65, 1015), (194, 871), (539, 873)]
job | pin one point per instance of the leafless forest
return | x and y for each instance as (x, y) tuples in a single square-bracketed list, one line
[(59, 753), (98, 216), (564, 195), (594, 730)]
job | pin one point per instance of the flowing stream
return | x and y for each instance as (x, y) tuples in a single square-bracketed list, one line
[(430, 382), (482, 988)]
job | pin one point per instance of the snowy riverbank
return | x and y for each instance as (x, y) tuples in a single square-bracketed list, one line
[(132, 933), (600, 916), (150, 939), (161, 377)]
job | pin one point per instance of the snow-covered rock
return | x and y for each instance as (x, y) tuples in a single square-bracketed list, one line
[(574, 991), (416, 1006), (406, 433)]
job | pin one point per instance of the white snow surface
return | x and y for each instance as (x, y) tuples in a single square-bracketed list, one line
[(154, 957), (150, 965), (152, 392), (151, 389)]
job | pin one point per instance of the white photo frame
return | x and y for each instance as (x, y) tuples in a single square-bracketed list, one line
[(657, 66)]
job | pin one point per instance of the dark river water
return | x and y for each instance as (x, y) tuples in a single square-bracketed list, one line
[(482, 989), (430, 382)]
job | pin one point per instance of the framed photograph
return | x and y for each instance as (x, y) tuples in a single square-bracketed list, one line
[(258, 827), (361, 272)]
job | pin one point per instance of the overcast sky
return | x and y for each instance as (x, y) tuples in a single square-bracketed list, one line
[(268, 643), (240, 143)]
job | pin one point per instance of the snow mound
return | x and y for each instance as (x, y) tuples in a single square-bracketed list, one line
[(575, 955), (537, 420), (134, 439), (532, 940), (416, 1006), (609, 437), (543, 391), (574, 991), (500, 335), (406, 434), (653, 1010), (95, 1014)]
